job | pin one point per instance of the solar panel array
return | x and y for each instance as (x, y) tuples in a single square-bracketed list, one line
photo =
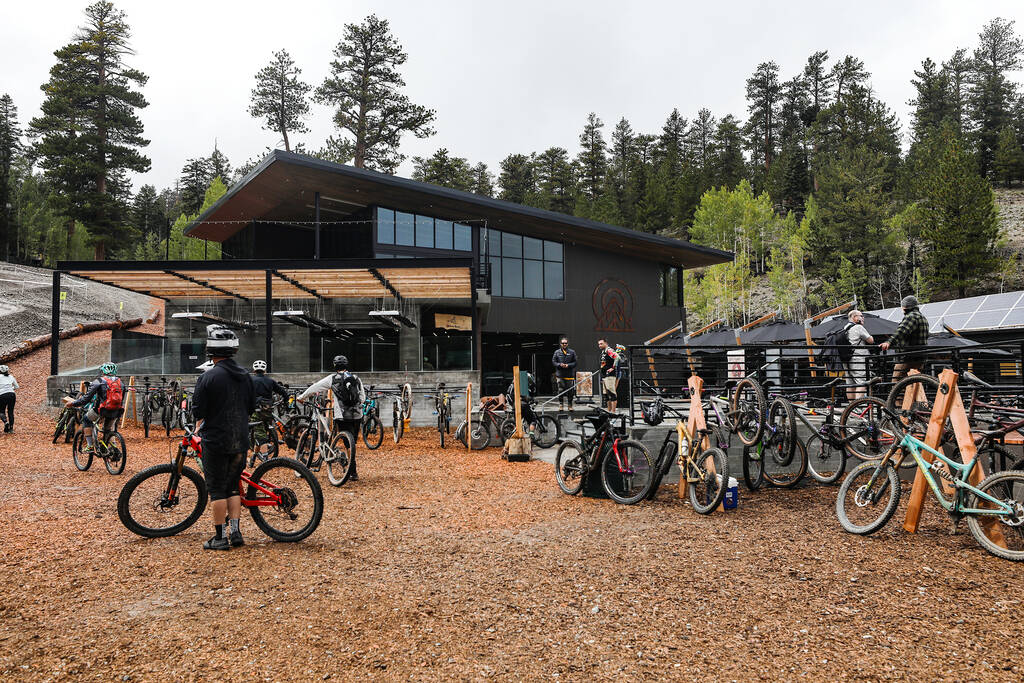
[(989, 312)]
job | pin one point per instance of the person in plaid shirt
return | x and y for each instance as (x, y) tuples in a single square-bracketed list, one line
[(910, 336)]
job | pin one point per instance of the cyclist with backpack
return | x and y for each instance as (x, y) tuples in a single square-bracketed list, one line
[(8, 385), (348, 395), (857, 366), (105, 399)]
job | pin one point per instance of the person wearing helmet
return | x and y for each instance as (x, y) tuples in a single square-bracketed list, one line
[(348, 395), (264, 385), (8, 385), (609, 381), (104, 399), (224, 398)]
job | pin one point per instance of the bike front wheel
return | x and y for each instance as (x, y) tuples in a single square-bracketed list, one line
[(292, 505), (80, 453), (707, 480), (753, 467), (397, 423), (1003, 536), (866, 429), (570, 467), (373, 433), (785, 476), (867, 502), (748, 408), (117, 454), (479, 434), (825, 462), (627, 478), (305, 449), (544, 431), (157, 503), (338, 458)]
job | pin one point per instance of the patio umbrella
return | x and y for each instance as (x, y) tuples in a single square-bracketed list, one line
[(774, 332), (875, 326), (945, 339)]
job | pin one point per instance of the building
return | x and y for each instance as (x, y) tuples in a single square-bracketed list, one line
[(408, 277)]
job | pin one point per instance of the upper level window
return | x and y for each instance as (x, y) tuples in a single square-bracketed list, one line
[(668, 284), (422, 232), (523, 267)]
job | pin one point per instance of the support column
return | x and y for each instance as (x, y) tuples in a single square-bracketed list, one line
[(269, 321), (475, 365), (682, 302), (316, 208), (55, 324)]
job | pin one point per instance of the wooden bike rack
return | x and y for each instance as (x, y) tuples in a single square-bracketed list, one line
[(518, 447), (469, 414), (948, 405), (694, 423)]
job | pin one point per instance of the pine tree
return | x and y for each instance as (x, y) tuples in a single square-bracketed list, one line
[(819, 82), (556, 181), (1007, 164), (592, 159), (196, 176), (482, 180), (728, 164), (763, 93), (10, 148), (219, 165), (960, 221), (516, 180), (443, 169), (958, 75), (364, 86), (621, 169), (147, 214), (999, 52), (847, 75), (89, 133), (280, 98), (931, 103)]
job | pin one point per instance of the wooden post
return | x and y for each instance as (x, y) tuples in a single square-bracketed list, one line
[(519, 403), (694, 423), (469, 414), (124, 413), (518, 447), (948, 405)]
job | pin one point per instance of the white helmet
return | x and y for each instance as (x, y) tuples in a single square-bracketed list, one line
[(259, 366), (220, 342), (4, 370), (205, 366)]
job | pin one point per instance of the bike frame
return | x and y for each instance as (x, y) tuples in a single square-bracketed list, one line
[(263, 486)]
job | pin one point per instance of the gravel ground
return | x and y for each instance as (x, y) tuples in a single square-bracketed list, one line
[(28, 290), (451, 565)]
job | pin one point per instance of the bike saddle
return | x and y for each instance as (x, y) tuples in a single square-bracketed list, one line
[(977, 380)]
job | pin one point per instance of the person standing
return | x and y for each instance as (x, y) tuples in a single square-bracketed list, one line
[(607, 372), (264, 385), (910, 337), (857, 368), (564, 360), (104, 399), (8, 385), (348, 397), (222, 402)]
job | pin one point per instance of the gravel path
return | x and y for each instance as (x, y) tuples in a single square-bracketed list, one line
[(451, 565)]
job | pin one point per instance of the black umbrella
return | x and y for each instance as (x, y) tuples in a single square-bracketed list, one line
[(875, 326), (946, 339), (774, 332)]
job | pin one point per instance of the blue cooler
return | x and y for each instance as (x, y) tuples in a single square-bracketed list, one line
[(732, 495)]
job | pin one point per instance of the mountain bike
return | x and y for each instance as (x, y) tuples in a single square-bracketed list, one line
[(484, 430), (398, 416), (443, 410), (543, 430), (110, 447), (870, 494), (68, 420), (320, 445), (706, 470), (372, 428), (627, 472), (147, 408), (282, 495), (264, 433)]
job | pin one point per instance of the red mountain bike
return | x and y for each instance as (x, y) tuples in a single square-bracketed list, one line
[(166, 499)]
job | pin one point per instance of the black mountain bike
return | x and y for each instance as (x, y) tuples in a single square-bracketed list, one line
[(627, 472)]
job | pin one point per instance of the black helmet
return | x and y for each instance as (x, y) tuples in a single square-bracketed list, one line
[(220, 342), (340, 362), (652, 412)]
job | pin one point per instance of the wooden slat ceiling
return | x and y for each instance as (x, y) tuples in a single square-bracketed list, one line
[(411, 283)]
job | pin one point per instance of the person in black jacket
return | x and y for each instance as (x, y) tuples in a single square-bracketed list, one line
[(223, 400), (564, 360), (264, 385)]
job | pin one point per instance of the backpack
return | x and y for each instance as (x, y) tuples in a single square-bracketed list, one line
[(838, 351), (115, 394), (345, 386)]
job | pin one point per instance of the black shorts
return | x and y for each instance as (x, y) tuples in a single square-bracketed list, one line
[(222, 472)]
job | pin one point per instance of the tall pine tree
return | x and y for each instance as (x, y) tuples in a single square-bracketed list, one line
[(280, 98), (10, 148), (999, 52)]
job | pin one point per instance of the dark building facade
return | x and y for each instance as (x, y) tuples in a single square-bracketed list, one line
[(537, 274)]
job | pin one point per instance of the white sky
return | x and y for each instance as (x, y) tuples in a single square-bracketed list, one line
[(503, 77)]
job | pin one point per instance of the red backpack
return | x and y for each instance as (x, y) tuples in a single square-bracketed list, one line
[(115, 394)]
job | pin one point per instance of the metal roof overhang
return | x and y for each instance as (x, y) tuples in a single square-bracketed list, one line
[(410, 279), (282, 186)]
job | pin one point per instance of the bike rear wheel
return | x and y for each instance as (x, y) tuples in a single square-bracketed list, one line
[(147, 418), (912, 399), (748, 408), (397, 422), (373, 433), (753, 467), (544, 431), (711, 479), (866, 429), (301, 500), (145, 508), (117, 454), (81, 456), (406, 399), (785, 476), (571, 467), (1001, 536), (780, 434), (627, 479), (480, 434), (263, 445), (338, 458), (305, 449), (864, 511), (825, 462), (441, 427)]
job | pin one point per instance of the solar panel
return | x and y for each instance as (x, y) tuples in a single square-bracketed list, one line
[(989, 311), (985, 319), (995, 302), (1014, 317)]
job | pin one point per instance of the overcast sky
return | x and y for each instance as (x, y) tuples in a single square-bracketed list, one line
[(503, 77)]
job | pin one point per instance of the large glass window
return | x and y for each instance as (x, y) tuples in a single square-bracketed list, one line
[(443, 234), (463, 237), (405, 231), (366, 352), (424, 232), (385, 226), (668, 285), (452, 351), (525, 267)]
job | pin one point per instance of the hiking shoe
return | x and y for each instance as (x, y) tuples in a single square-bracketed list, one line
[(217, 544), (236, 539), (353, 477)]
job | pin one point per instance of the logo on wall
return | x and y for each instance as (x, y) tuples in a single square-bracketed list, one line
[(613, 306)]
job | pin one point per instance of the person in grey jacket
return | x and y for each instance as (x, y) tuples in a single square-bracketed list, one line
[(346, 418), (8, 385)]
